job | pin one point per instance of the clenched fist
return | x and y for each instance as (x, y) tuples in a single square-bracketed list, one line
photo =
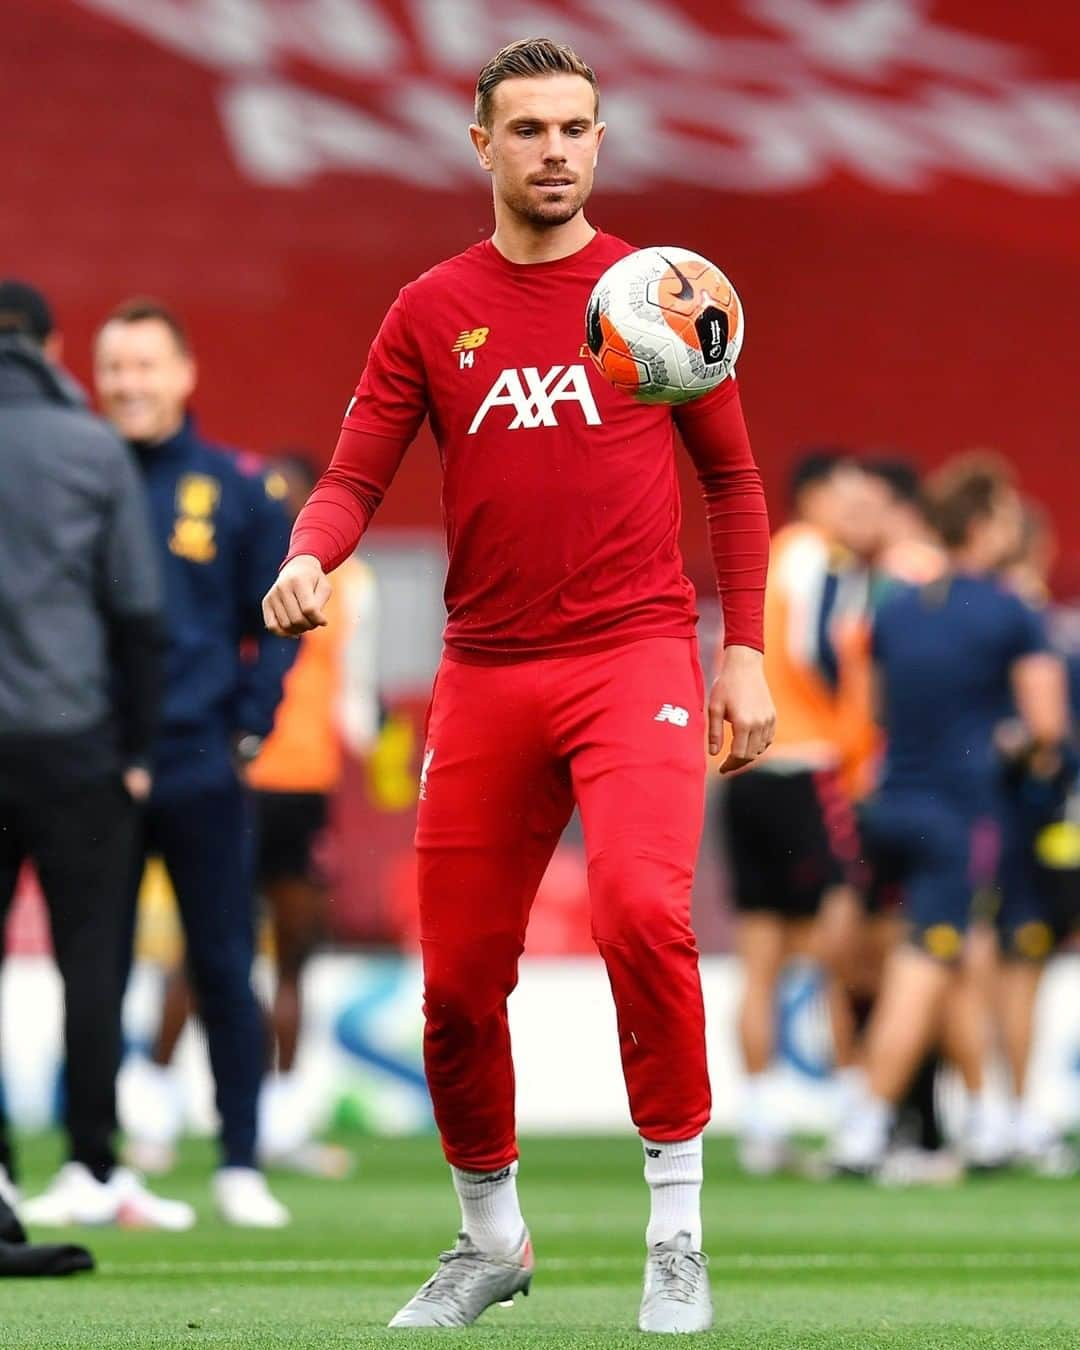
[(740, 696), (294, 603)]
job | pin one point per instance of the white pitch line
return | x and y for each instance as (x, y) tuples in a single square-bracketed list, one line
[(816, 1261)]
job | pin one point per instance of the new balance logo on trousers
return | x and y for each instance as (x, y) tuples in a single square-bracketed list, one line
[(678, 717)]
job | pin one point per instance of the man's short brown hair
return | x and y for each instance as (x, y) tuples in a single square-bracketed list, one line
[(527, 59), (964, 491), (143, 308)]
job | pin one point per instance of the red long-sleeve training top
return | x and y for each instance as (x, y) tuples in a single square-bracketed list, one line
[(560, 495)]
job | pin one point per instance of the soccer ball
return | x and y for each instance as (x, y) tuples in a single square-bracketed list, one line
[(664, 325)]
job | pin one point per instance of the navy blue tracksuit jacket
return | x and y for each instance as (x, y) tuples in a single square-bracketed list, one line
[(222, 535)]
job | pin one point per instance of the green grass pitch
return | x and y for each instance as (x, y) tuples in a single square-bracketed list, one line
[(993, 1264)]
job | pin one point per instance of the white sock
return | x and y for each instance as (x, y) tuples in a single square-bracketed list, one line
[(759, 1117), (872, 1127), (156, 1103), (674, 1173), (284, 1120), (988, 1114), (849, 1085), (863, 1135), (1033, 1132), (490, 1212)]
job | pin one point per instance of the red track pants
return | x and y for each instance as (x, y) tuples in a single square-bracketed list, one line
[(509, 751)]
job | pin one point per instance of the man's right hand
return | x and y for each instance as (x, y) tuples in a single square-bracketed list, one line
[(294, 603)]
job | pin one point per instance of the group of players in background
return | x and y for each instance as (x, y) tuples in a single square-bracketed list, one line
[(922, 756)]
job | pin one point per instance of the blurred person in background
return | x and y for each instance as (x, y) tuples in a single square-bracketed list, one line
[(990, 1005), (908, 552), (908, 549), (1036, 784), (330, 701), (220, 532), (571, 672), (982, 995), (80, 677), (788, 823), (949, 656)]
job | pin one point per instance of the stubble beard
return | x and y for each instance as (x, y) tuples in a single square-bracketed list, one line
[(547, 214)]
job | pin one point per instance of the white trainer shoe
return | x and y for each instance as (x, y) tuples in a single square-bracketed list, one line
[(138, 1207), (676, 1296), (286, 1125), (1058, 1161), (75, 1196), (921, 1167), (243, 1198), (988, 1143), (1039, 1146), (859, 1146)]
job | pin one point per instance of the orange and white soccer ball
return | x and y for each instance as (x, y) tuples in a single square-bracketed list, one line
[(664, 325)]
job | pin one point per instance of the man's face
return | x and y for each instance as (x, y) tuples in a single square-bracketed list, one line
[(143, 378), (541, 147), (846, 507), (858, 505)]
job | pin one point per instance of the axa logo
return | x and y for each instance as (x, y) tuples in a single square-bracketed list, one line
[(533, 397), (678, 717)]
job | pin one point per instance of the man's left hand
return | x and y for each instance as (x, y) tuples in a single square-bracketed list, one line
[(741, 697)]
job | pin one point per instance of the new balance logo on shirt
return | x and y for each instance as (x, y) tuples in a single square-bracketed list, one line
[(678, 717), (533, 397)]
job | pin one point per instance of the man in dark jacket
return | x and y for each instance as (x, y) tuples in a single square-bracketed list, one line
[(79, 693), (220, 534)]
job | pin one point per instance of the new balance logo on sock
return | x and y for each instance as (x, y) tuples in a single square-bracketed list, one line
[(678, 717), (492, 1177)]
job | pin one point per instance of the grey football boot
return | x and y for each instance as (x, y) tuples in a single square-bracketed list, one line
[(466, 1282), (676, 1295)]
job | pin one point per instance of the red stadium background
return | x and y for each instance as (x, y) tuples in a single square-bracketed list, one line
[(892, 187)]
